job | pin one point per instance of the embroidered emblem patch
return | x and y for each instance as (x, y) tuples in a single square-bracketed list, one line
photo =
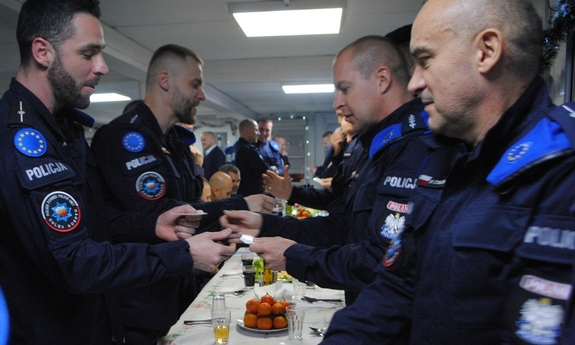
[(133, 142), (61, 212), (393, 225), (540, 321), (518, 151), (151, 185), (392, 252), (30, 142)]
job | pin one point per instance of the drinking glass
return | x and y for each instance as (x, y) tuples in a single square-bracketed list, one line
[(249, 276), (295, 317), (221, 322)]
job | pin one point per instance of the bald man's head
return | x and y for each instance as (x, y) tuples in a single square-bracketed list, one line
[(221, 184)]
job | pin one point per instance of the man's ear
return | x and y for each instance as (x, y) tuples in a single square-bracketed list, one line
[(43, 52), (163, 79), (383, 76), (489, 45)]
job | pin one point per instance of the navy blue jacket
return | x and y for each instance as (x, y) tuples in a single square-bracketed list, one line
[(213, 161), (251, 165), (497, 252), (129, 150), (56, 260), (270, 152), (398, 148), (329, 167)]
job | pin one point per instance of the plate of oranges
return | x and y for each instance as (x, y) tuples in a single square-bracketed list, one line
[(265, 315)]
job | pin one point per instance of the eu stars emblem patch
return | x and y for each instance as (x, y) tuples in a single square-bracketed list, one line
[(30, 142), (61, 212), (133, 142), (151, 185)]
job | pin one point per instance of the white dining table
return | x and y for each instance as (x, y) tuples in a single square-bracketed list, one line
[(229, 278)]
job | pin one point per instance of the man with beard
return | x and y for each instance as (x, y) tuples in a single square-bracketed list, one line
[(58, 270), (148, 168)]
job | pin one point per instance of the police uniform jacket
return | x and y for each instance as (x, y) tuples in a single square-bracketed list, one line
[(329, 166), (55, 258), (492, 264), (270, 152), (213, 161), (147, 171), (398, 147), (251, 165), (342, 183)]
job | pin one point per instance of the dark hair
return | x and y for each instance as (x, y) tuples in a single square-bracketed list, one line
[(165, 53), (327, 134), (49, 19), (227, 168)]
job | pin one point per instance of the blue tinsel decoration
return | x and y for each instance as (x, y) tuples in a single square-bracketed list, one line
[(556, 33)]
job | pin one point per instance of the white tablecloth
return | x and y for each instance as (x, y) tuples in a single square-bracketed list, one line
[(229, 278)]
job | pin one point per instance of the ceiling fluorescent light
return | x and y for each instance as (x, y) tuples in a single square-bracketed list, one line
[(314, 88), (108, 97), (272, 18)]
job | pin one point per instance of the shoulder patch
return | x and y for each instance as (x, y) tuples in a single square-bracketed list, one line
[(545, 140), (133, 142), (30, 142), (151, 185), (61, 212), (274, 146), (383, 138)]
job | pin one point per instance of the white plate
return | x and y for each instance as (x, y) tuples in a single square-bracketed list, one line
[(255, 330), (198, 213)]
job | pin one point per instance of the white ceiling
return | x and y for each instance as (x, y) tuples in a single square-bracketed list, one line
[(243, 75)]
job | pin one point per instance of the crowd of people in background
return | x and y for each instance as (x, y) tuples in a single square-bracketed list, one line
[(448, 187)]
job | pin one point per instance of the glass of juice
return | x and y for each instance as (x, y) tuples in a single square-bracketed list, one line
[(221, 322)]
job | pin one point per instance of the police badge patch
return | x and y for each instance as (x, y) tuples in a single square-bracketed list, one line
[(61, 212), (30, 142), (151, 185), (537, 309), (392, 252), (133, 142)]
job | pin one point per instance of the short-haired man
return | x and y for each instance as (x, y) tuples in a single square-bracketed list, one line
[(493, 263), (371, 82), (282, 144), (267, 148), (328, 168), (221, 186), (147, 167), (59, 271), (214, 157), (234, 173), (244, 155)]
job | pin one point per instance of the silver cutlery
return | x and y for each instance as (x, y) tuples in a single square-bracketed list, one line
[(315, 300)]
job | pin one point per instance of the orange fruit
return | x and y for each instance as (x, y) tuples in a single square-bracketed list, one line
[(268, 299), (252, 305), (264, 309), (280, 322), (251, 320), (265, 323), (285, 303), (278, 308)]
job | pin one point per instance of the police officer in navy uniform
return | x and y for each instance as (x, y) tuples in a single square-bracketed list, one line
[(493, 264), (148, 168), (343, 253), (267, 148), (244, 155), (59, 272)]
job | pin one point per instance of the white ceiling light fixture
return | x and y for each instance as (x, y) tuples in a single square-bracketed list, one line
[(108, 97), (289, 18), (308, 88)]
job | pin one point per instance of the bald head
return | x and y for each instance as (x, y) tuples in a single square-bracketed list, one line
[(221, 185), (249, 131), (517, 20)]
